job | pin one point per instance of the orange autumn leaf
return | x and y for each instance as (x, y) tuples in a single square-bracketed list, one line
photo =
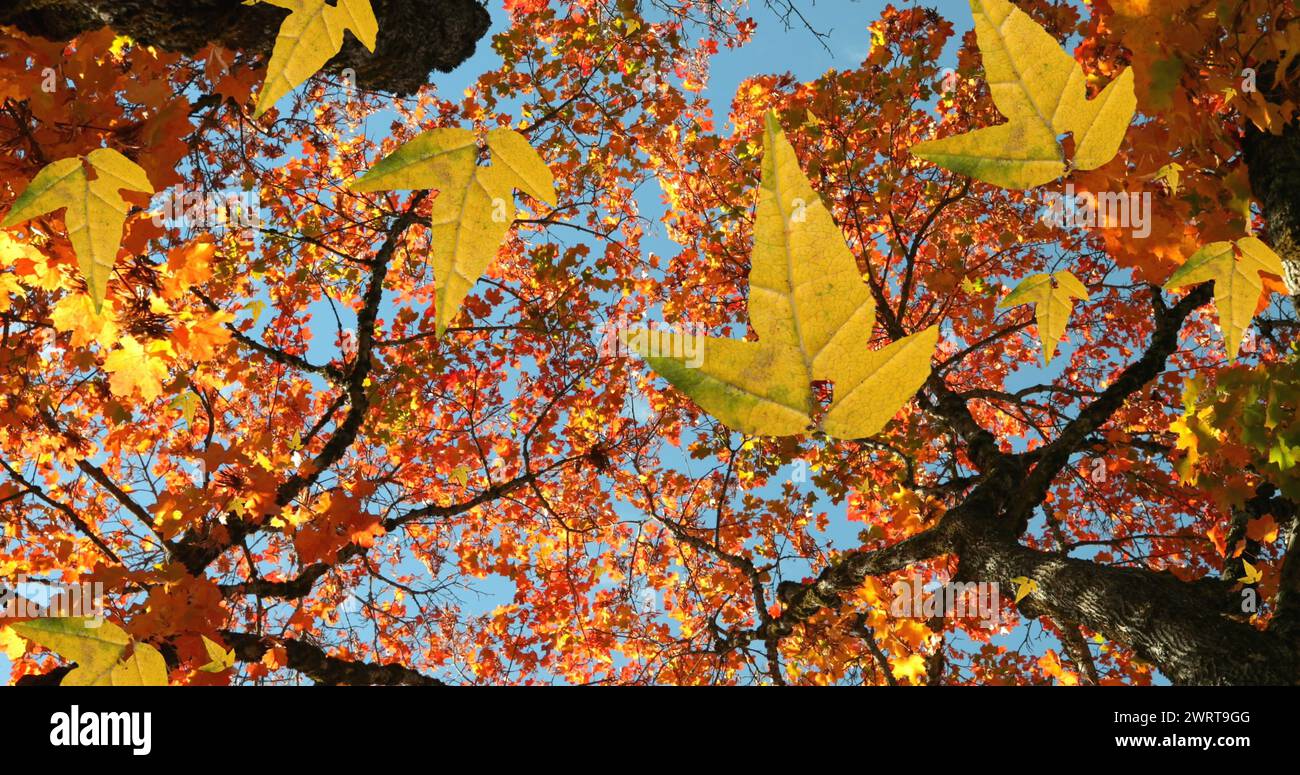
[(1263, 529)]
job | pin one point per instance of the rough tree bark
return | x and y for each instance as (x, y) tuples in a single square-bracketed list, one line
[(1274, 165), (416, 37)]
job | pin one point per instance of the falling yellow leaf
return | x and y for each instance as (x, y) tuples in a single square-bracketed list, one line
[(145, 667), (1171, 174), (1053, 298), (1041, 91), (188, 404), (255, 309), (814, 318), (309, 37), (95, 649), (94, 210), (219, 659), (1237, 282), (1253, 575), (474, 208), (1024, 586)]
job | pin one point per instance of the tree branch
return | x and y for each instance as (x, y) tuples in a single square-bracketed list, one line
[(313, 662)]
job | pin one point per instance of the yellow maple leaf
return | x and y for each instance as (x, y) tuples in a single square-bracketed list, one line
[(1237, 282), (145, 667), (1024, 586), (308, 38), (136, 368), (1253, 574), (1053, 298), (219, 659), (474, 208), (813, 316), (94, 210), (1041, 91), (1171, 174), (95, 649)]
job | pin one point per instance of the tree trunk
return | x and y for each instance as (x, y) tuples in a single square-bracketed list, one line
[(416, 37), (1179, 626), (1273, 162)]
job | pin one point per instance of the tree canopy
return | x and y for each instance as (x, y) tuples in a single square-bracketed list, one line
[(364, 382)]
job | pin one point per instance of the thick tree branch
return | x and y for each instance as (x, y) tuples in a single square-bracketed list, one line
[(313, 662), (415, 36), (1177, 626), (1164, 342)]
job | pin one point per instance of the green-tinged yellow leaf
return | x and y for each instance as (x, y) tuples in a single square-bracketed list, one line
[(219, 659), (474, 209), (94, 210), (468, 226), (145, 667), (1053, 298), (1171, 174), (1237, 282), (1007, 155), (437, 159), (96, 648), (813, 316), (1042, 92), (309, 37), (751, 387), (187, 403)]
